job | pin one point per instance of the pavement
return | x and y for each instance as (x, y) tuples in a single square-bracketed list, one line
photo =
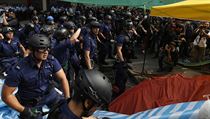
[(136, 74)]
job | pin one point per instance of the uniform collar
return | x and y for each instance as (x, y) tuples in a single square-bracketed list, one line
[(32, 61)]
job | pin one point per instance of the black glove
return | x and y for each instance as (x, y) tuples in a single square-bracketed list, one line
[(29, 113)]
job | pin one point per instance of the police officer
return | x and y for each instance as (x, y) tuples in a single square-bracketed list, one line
[(92, 89), (10, 49), (63, 46), (123, 50), (74, 56), (62, 20), (25, 33), (63, 42), (90, 46), (32, 76), (106, 29), (82, 21), (124, 44), (70, 26), (37, 26)]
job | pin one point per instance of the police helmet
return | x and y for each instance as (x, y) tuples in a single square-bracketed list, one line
[(108, 17), (128, 14), (29, 27), (77, 13), (95, 85), (34, 18), (47, 30), (7, 29), (50, 18), (83, 18), (95, 24), (91, 18), (62, 19), (39, 41), (69, 25), (128, 24), (61, 34), (112, 11)]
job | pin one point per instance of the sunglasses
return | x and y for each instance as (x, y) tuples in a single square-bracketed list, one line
[(43, 50)]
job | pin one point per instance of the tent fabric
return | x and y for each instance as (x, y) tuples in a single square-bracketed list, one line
[(189, 9), (133, 3), (161, 91), (188, 110)]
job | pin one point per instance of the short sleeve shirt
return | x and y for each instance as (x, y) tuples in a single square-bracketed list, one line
[(32, 81)]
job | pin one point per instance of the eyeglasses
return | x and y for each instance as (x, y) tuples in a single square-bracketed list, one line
[(43, 50)]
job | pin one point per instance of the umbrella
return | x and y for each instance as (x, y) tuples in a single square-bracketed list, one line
[(189, 9)]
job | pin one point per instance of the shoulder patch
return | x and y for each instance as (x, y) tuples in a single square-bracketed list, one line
[(51, 57)]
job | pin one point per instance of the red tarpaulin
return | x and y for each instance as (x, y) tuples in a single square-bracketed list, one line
[(161, 91)]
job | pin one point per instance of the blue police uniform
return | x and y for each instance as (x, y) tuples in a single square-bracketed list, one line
[(121, 75), (61, 51), (85, 30), (66, 113), (105, 28), (9, 53), (124, 41), (90, 44), (34, 84), (105, 48), (37, 28), (120, 40)]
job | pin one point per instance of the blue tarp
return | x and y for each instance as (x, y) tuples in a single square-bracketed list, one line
[(189, 110)]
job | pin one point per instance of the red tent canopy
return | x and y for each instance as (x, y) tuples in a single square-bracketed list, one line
[(161, 91)]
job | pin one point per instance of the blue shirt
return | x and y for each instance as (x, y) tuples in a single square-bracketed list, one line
[(9, 53), (61, 51), (90, 44), (9, 49), (106, 28), (37, 28), (32, 82), (120, 40)]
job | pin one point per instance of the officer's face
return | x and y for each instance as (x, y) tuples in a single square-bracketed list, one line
[(9, 35), (42, 54), (36, 21), (95, 30)]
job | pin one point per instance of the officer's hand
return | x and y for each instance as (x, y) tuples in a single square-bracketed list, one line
[(1, 36), (29, 113)]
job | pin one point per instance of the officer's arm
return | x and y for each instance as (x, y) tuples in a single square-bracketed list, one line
[(9, 98), (1, 36), (75, 36), (119, 53), (60, 75), (5, 20), (87, 59), (25, 53)]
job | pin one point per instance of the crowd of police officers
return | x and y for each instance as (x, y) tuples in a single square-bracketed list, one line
[(63, 48)]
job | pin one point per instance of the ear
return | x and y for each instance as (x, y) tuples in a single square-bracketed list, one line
[(88, 103)]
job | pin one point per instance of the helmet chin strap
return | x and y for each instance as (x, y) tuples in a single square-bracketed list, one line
[(35, 58)]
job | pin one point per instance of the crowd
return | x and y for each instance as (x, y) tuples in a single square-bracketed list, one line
[(64, 46)]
